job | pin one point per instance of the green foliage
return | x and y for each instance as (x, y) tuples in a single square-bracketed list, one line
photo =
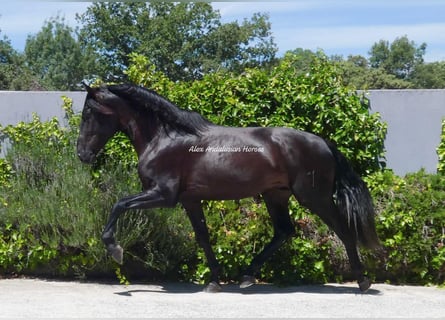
[(240, 229), (185, 40), (410, 223), (399, 58), (5, 172), (14, 74), (441, 151), (429, 75), (398, 65), (56, 57), (357, 73)]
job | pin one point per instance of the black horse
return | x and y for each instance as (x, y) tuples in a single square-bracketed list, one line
[(185, 158)]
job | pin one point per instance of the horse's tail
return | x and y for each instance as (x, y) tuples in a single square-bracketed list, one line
[(354, 201)]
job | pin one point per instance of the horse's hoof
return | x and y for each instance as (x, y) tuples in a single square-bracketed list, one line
[(213, 287), (117, 253), (364, 285), (247, 281)]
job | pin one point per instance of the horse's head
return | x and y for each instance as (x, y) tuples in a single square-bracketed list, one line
[(100, 121)]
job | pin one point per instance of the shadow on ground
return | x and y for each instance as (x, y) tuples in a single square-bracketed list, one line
[(184, 288)]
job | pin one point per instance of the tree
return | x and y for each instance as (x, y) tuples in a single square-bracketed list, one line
[(398, 58), (184, 40), (429, 75), (55, 56), (356, 72), (14, 75), (7, 56), (379, 54), (6, 50)]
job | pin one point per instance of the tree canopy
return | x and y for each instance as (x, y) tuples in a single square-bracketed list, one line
[(13, 73), (399, 58), (7, 57), (55, 56), (396, 65), (184, 40)]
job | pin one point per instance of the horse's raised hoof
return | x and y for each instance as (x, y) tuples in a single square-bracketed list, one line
[(364, 285), (247, 281), (213, 287), (117, 253)]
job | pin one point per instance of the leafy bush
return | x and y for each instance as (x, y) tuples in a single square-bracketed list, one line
[(411, 225)]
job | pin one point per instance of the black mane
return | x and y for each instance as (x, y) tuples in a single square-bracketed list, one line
[(182, 121)]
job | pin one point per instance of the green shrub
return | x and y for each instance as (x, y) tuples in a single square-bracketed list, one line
[(411, 225)]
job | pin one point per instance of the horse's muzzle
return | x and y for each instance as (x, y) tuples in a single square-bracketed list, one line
[(86, 156)]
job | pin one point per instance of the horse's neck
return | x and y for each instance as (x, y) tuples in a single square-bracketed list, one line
[(140, 133)]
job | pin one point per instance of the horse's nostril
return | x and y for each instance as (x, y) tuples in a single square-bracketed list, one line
[(86, 156)]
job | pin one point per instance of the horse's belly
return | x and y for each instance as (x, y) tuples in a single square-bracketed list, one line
[(234, 174), (229, 186)]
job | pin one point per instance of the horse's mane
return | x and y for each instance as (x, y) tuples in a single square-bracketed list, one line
[(170, 115)]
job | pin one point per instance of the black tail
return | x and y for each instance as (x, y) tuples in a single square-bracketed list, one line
[(354, 201)]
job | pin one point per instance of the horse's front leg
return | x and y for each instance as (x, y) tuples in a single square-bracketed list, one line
[(197, 219), (145, 200)]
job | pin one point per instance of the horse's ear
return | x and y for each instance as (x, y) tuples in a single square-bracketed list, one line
[(88, 88), (97, 97)]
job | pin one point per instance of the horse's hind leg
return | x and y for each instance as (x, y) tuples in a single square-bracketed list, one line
[(197, 219), (277, 202), (349, 239), (326, 209)]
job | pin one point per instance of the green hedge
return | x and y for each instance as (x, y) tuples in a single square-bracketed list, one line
[(53, 208), (411, 225)]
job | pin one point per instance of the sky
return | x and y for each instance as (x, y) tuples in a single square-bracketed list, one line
[(338, 27)]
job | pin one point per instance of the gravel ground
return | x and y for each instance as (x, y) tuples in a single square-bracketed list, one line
[(32, 298)]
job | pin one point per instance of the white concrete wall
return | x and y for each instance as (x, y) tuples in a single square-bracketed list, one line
[(414, 119), (16, 106)]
